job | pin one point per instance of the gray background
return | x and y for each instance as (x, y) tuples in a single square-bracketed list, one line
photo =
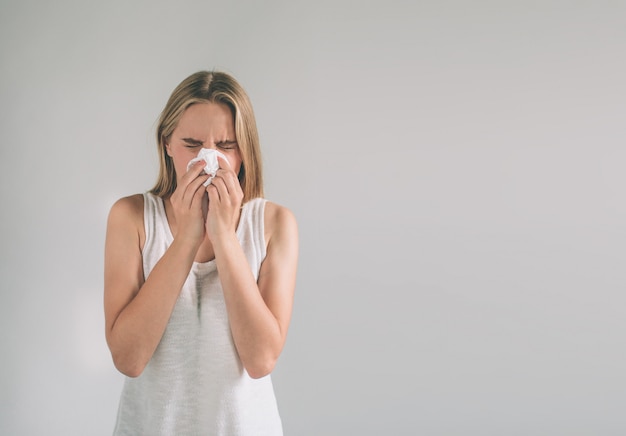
[(456, 168)]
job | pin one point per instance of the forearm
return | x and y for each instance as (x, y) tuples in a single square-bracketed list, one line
[(139, 327), (256, 332)]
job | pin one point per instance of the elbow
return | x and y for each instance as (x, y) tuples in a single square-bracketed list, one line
[(128, 358), (261, 367), (130, 371), (128, 366)]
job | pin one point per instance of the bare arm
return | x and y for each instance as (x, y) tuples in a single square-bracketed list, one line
[(137, 312), (259, 312)]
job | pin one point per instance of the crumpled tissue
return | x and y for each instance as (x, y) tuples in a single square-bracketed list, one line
[(209, 155)]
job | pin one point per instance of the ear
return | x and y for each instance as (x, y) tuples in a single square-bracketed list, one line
[(168, 149)]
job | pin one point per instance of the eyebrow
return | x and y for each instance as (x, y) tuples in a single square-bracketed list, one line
[(193, 141), (198, 142)]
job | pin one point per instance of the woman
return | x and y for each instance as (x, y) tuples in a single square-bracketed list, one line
[(199, 280)]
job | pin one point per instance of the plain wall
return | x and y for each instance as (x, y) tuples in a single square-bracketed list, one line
[(456, 169)]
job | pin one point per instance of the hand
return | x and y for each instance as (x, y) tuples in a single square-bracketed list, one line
[(187, 204), (225, 197)]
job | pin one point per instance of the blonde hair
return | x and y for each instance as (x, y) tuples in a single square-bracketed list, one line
[(212, 87)]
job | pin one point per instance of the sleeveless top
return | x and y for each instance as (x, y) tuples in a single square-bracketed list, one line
[(195, 383)]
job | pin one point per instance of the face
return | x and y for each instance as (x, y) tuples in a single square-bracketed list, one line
[(204, 125)]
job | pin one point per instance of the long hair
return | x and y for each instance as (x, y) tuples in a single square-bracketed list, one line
[(211, 87)]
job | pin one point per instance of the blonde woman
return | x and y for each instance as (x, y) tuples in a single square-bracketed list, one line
[(199, 277)]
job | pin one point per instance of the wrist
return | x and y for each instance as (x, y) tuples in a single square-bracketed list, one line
[(187, 243), (224, 240)]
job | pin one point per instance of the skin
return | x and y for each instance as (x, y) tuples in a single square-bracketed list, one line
[(203, 222)]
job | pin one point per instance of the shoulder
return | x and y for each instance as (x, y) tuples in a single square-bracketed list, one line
[(126, 216), (278, 216), (280, 223), (129, 208)]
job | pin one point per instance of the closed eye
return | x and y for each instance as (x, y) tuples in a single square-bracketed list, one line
[(192, 143), (227, 145)]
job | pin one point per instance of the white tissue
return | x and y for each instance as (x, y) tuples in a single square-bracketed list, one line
[(210, 157)]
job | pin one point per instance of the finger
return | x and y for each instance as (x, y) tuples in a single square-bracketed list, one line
[(220, 186), (231, 183), (191, 178), (194, 187), (196, 199), (212, 191), (196, 184), (231, 197), (195, 170)]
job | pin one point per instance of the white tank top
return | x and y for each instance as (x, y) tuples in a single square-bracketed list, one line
[(195, 383)]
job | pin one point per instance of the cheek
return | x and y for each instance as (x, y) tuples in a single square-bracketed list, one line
[(181, 159), (234, 159), (237, 165), (185, 155), (239, 172)]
